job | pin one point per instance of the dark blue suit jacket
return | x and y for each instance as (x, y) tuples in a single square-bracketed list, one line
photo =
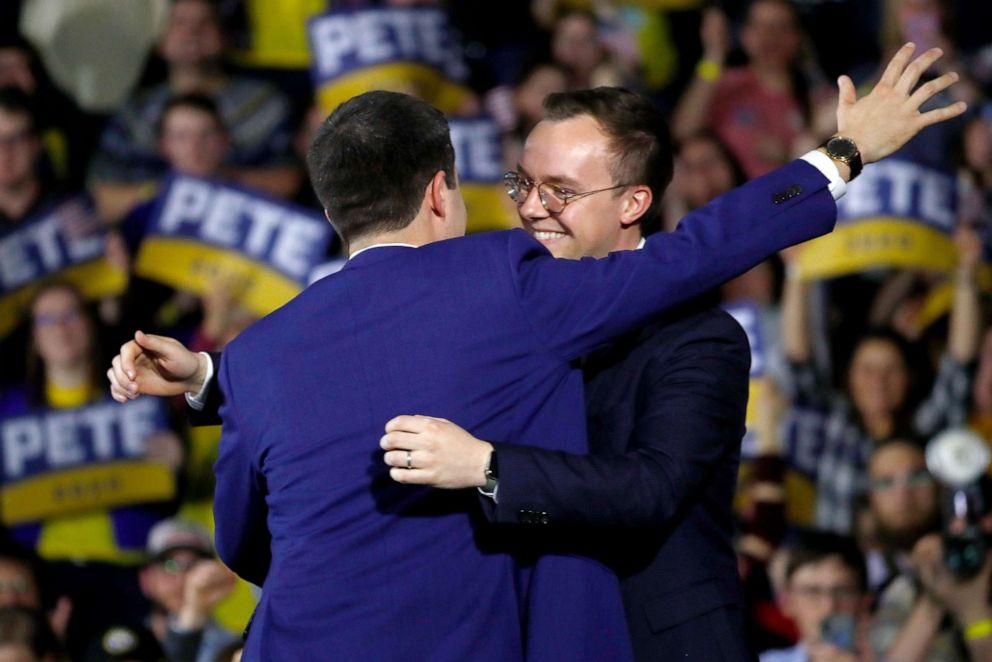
[(666, 408), (483, 330)]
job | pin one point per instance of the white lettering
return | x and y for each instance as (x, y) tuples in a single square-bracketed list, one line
[(187, 202), (62, 440), (22, 440)]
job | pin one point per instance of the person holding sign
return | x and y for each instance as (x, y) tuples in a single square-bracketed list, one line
[(82, 479), (301, 506), (876, 404)]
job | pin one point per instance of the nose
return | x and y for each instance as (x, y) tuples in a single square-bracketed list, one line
[(531, 208)]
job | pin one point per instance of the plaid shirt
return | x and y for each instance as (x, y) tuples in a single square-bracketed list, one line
[(827, 441), (256, 116)]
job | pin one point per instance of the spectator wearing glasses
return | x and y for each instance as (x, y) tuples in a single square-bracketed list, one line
[(826, 595), (184, 582)]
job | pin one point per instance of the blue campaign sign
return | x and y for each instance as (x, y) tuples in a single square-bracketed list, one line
[(44, 244), (896, 188), (344, 41), (59, 439), (748, 316), (478, 150)]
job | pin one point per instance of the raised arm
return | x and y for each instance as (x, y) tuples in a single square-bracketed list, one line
[(576, 305)]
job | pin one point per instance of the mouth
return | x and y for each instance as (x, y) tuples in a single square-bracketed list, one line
[(548, 236)]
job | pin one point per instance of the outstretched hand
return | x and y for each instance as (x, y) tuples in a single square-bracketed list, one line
[(155, 365), (889, 116)]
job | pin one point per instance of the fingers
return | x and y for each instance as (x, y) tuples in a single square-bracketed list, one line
[(402, 441), (911, 76), (130, 351), (411, 476), (155, 344), (848, 95), (122, 388), (897, 65), (942, 114), (403, 459), (928, 89), (414, 424)]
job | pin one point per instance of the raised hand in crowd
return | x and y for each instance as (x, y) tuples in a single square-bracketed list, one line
[(208, 583), (155, 365)]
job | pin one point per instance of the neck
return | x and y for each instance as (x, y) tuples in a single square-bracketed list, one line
[(15, 200), (206, 77), (415, 234), (772, 76), (629, 239), (878, 426), (72, 376)]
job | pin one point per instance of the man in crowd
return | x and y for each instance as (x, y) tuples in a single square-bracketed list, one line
[(256, 115), (566, 331), (826, 594), (184, 582)]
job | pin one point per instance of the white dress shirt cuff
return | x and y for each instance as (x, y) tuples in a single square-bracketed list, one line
[(826, 165), (198, 400)]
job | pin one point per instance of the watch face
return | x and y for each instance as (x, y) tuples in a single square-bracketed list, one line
[(843, 148)]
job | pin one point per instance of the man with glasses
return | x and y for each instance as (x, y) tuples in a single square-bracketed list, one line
[(826, 595), (184, 582), (563, 304)]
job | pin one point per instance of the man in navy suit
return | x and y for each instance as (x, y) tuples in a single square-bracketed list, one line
[(665, 404), (483, 329)]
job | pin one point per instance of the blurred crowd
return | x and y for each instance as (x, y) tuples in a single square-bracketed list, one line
[(852, 545)]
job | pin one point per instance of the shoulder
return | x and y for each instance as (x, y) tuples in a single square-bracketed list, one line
[(698, 325)]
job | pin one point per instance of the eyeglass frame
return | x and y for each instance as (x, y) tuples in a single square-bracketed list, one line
[(509, 175)]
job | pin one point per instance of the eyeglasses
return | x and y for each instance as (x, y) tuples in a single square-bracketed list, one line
[(918, 478), (178, 566), (845, 594), (553, 198), (51, 319)]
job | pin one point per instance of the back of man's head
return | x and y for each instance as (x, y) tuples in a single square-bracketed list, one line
[(372, 159), (640, 142)]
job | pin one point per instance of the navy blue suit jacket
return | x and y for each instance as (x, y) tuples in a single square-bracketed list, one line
[(483, 330), (666, 408)]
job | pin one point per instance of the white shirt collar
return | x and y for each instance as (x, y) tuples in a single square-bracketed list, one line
[(641, 243), (368, 248)]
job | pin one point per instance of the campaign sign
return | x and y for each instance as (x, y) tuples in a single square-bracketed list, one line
[(403, 49), (64, 461), (747, 315), (202, 231), (67, 242), (895, 214), (479, 162)]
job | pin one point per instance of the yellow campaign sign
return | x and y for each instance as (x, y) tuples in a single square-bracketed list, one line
[(85, 488), (189, 265), (420, 80), (883, 242), (489, 208)]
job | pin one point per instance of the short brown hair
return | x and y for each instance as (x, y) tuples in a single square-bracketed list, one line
[(640, 142)]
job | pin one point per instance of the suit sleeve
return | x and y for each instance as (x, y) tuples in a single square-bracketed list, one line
[(574, 306), (692, 410), (210, 414), (240, 511)]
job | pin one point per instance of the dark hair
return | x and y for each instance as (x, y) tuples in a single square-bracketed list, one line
[(29, 628), (372, 158), (194, 101), (797, 77), (36, 374), (903, 414), (640, 142), (14, 101), (817, 546)]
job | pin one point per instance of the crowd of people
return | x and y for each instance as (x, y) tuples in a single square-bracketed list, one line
[(844, 536)]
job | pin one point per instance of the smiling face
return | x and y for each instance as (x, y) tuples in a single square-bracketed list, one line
[(574, 155)]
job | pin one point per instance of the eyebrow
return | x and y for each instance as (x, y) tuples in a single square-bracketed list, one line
[(562, 180)]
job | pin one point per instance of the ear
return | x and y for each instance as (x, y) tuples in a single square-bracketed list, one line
[(437, 194), (636, 203)]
